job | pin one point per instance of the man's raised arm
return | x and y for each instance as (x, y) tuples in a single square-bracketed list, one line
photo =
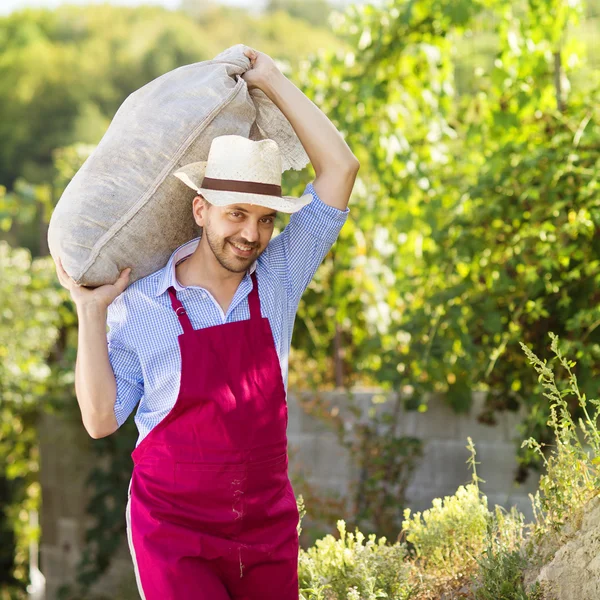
[(334, 163)]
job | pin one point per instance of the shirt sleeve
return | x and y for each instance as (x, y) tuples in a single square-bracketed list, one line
[(125, 363), (296, 253)]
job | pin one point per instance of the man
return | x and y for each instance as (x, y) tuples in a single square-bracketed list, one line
[(202, 346)]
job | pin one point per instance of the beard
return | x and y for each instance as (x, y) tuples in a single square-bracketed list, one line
[(225, 255)]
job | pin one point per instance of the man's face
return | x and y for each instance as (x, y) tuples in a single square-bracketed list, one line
[(237, 234)]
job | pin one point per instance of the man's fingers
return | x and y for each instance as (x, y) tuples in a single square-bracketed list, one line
[(59, 267), (61, 274), (68, 283), (121, 283), (63, 277), (251, 54)]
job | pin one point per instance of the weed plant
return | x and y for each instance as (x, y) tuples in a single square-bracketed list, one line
[(571, 476)]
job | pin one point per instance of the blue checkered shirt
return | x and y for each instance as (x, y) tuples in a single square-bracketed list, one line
[(143, 328)]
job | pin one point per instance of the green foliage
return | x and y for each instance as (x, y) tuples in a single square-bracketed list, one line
[(448, 536), (347, 319), (8, 581), (301, 512), (448, 539), (353, 567), (315, 12), (501, 566), (31, 317), (501, 575), (571, 475), (280, 34), (473, 222), (511, 273), (65, 72), (570, 480)]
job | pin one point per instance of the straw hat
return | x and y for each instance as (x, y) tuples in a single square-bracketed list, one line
[(239, 170)]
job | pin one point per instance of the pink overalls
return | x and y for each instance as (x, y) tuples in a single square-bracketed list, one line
[(211, 513)]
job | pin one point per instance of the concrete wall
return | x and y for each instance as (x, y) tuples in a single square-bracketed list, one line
[(314, 450), (66, 457), (442, 468)]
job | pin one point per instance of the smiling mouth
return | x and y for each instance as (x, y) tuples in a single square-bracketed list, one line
[(242, 249)]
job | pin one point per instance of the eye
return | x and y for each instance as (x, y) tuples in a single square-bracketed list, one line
[(268, 220), (235, 214)]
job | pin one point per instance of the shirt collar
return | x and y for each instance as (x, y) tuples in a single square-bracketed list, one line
[(169, 277)]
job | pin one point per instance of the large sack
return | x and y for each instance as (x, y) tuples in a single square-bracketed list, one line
[(124, 208)]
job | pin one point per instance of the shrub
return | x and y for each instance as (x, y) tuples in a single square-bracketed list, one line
[(502, 564), (501, 576), (354, 567), (448, 536)]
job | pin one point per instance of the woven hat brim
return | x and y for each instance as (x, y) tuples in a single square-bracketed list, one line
[(286, 204), (193, 174)]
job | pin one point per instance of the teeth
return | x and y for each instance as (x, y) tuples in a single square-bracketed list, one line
[(242, 248)]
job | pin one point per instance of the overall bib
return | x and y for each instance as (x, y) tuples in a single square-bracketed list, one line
[(211, 511)]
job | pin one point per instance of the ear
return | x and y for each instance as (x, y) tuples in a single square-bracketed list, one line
[(199, 208)]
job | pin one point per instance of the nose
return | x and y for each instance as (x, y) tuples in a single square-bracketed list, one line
[(250, 232)]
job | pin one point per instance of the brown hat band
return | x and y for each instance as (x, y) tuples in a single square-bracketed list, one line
[(249, 187)]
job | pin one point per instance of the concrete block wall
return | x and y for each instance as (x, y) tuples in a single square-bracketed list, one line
[(64, 467), (65, 457), (441, 469), (314, 450)]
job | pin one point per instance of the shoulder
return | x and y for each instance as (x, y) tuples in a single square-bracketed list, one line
[(132, 301), (146, 286)]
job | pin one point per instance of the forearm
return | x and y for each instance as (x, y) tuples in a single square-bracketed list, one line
[(95, 384), (323, 143)]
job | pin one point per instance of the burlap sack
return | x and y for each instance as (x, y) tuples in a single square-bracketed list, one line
[(124, 208)]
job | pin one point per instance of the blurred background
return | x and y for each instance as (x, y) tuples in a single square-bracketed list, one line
[(474, 226)]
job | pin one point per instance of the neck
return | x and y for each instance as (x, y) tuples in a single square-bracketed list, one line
[(204, 270)]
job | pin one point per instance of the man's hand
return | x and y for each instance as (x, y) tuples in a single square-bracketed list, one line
[(100, 297), (262, 71)]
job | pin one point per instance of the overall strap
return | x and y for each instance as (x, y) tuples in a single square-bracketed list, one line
[(180, 311), (254, 300)]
